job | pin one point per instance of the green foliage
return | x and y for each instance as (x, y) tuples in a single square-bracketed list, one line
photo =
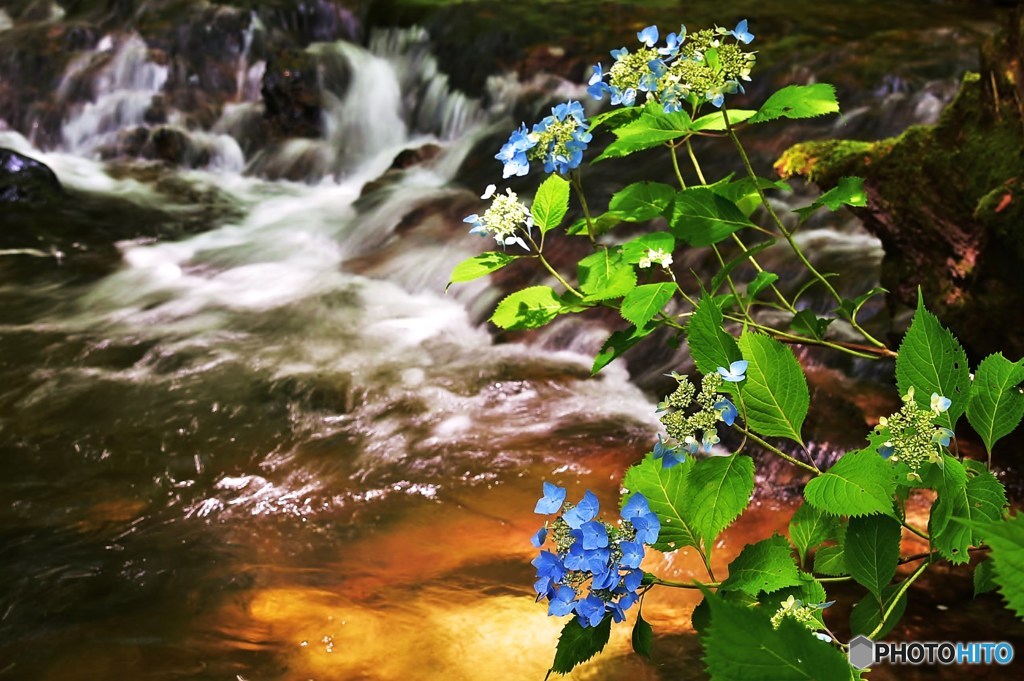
[(605, 275), (720, 490), (479, 266), (742, 258), (831, 561), (666, 490), (931, 360), (577, 644), (527, 309), (984, 577), (996, 405), (971, 495), (849, 192), (652, 129), (701, 217), (798, 101), (551, 203), (740, 643), (642, 201), (636, 250), (809, 324), (872, 551), (710, 345), (764, 566), (809, 527), (1007, 541), (617, 343), (868, 612), (644, 302), (860, 483), (775, 392), (643, 636)]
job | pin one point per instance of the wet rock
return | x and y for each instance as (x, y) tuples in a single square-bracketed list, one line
[(947, 202), (26, 180), (291, 95), (408, 158)]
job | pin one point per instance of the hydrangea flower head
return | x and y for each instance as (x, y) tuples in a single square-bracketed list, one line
[(560, 139), (940, 403), (504, 219), (670, 456), (726, 411)]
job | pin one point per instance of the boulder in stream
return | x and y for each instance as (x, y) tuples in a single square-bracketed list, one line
[(26, 180)]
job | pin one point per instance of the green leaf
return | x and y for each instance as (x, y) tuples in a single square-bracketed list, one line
[(653, 128), (744, 192), (759, 283), (605, 275), (867, 613), (719, 278), (720, 489), (700, 217), (741, 643), (643, 636), (932, 361), (530, 308), (849, 192), (577, 644), (798, 101), (636, 250), (479, 265), (860, 483), (764, 566), (1006, 538), (810, 324), (809, 591), (603, 224), (996, 405), (831, 561), (551, 203), (809, 527), (666, 491), (616, 345), (642, 201), (644, 302), (615, 117), (710, 345), (973, 496), (984, 577), (775, 391), (872, 550), (848, 309), (716, 121)]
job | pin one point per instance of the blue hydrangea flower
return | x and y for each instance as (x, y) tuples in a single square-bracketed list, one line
[(561, 138), (638, 513), (552, 499), (940, 403), (550, 570), (593, 535), (741, 33), (632, 554), (592, 560), (583, 512), (648, 36), (538, 539), (562, 602), (886, 450), (673, 42), (710, 439), (942, 436), (590, 611), (726, 411), (513, 153), (735, 373), (670, 456)]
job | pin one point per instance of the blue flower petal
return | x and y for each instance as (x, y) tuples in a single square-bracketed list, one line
[(552, 499)]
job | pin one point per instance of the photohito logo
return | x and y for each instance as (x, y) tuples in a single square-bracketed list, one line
[(864, 652)]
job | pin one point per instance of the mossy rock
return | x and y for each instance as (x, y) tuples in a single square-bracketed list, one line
[(947, 202)]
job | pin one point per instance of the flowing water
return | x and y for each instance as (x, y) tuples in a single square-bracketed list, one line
[(276, 449)]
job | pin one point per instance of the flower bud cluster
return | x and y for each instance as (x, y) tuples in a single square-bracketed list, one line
[(691, 417), (594, 570), (912, 436), (806, 615), (702, 67), (558, 141)]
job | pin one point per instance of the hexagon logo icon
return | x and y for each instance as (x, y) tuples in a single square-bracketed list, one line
[(862, 652)]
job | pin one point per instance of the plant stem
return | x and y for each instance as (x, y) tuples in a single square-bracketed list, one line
[(904, 585), (771, 211), (693, 160), (552, 270), (778, 452), (916, 531), (675, 164), (686, 585), (865, 351), (577, 184)]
